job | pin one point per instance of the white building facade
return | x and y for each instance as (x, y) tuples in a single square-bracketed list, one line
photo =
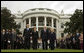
[(43, 17)]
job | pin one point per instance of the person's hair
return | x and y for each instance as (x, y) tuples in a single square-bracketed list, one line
[(82, 32), (34, 24), (9, 30), (26, 25)]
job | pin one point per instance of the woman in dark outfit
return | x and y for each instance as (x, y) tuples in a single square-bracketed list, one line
[(35, 38), (68, 42), (52, 38)]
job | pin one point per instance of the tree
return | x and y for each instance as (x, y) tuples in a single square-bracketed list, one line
[(76, 22), (7, 19)]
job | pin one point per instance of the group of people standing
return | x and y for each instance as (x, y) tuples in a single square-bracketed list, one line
[(11, 40), (72, 41), (46, 35), (8, 38)]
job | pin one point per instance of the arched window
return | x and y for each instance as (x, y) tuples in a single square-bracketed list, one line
[(62, 25), (27, 21), (33, 21), (54, 22), (41, 21), (62, 34), (48, 21)]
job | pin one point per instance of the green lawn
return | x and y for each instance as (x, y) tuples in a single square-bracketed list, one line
[(40, 50)]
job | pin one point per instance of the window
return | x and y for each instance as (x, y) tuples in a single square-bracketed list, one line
[(49, 9), (41, 9), (33, 21), (62, 34), (27, 21), (55, 23), (62, 25), (49, 21), (19, 25), (33, 9), (41, 21)]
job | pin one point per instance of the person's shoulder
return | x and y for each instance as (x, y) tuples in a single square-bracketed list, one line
[(30, 29), (36, 31), (54, 32), (47, 29), (41, 30)]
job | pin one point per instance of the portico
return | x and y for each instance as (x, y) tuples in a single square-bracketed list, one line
[(43, 17)]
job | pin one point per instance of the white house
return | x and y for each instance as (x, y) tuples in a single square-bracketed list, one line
[(43, 17)]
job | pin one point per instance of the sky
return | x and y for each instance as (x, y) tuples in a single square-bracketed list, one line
[(67, 6)]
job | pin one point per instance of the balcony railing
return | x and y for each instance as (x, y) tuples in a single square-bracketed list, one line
[(41, 24)]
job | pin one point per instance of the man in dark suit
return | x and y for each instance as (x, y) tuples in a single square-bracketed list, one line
[(7, 35), (3, 39), (73, 41), (77, 40), (44, 36), (9, 39), (13, 38), (27, 34)]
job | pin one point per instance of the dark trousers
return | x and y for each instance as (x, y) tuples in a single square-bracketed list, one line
[(78, 45), (73, 45), (12, 44), (2, 44), (18, 45), (34, 44), (68, 45), (62, 45), (52, 46), (44, 44), (15, 44), (5, 44), (27, 43)]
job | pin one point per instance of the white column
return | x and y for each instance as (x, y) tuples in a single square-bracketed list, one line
[(22, 27), (37, 23), (45, 21), (24, 23), (29, 22), (52, 22), (57, 29)]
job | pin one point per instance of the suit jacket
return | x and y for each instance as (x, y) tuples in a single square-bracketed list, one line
[(9, 36), (78, 35), (73, 38), (52, 36), (27, 33), (14, 36), (44, 35), (35, 35), (3, 37)]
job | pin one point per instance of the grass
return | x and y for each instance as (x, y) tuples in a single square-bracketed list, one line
[(40, 50)]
